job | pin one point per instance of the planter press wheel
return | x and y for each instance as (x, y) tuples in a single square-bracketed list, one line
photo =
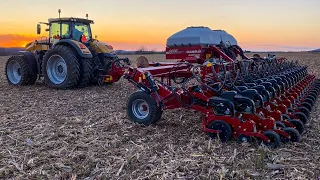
[(306, 105), (298, 125), (302, 117), (294, 134), (226, 131), (274, 139), (304, 110), (280, 124), (244, 139)]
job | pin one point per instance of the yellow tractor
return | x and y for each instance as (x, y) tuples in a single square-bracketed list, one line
[(69, 58)]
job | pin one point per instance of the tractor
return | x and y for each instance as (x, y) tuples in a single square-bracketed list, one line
[(70, 57)]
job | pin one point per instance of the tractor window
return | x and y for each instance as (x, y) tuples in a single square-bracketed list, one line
[(65, 31), (79, 29), (54, 30)]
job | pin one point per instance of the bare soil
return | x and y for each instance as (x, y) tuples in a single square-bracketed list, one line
[(85, 134)]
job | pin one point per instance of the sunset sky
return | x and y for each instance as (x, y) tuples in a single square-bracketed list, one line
[(128, 24)]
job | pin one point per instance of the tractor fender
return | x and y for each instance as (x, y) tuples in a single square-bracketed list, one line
[(79, 47), (31, 60)]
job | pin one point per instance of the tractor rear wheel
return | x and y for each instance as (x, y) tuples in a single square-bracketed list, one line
[(60, 68), (86, 72), (143, 109), (18, 72)]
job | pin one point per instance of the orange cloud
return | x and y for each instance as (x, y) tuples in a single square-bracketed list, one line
[(15, 40)]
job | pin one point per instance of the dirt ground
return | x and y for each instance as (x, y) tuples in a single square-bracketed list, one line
[(85, 134)]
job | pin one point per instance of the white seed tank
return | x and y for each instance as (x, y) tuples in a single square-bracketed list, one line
[(200, 35)]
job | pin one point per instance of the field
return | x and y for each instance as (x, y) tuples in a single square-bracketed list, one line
[(85, 133)]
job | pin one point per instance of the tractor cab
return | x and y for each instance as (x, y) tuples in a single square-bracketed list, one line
[(77, 29)]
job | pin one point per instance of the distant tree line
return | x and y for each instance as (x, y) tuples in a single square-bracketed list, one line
[(9, 51), (142, 50)]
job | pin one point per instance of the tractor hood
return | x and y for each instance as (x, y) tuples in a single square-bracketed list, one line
[(101, 47)]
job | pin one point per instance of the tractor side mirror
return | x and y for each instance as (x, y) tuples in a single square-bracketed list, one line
[(38, 29)]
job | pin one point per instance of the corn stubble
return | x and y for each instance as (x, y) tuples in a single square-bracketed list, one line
[(85, 133)]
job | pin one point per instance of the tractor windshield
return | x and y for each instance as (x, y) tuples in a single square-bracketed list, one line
[(80, 29)]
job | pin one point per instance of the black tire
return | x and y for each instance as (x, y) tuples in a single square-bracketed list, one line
[(33, 79), (274, 139), (290, 110), (286, 117), (159, 114), (73, 67), (310, 101), (86, 72), (304, 110), (307, 105), (312, 97), (302, 117), (298, 125), (107, 64), (244, 139), (153, 110), (223, 126), (314, 92), (294, 134), (24, 71), (280, 124)]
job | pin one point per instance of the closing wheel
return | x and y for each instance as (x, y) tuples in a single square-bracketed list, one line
[(226, 131), (274, 139), (298, 124), (310, 101), (280, 124), (312, 96), (304, 110), (18, 72), (61, 68), (142, 108), (244, 139), (306, 105), (290, 110), (294, 135), (302, 117)]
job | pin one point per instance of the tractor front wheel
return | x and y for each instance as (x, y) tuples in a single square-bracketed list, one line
[(143, 109), (60, 68)]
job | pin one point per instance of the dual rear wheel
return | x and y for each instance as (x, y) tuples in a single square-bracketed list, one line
[(61, 69), (18, 71)]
